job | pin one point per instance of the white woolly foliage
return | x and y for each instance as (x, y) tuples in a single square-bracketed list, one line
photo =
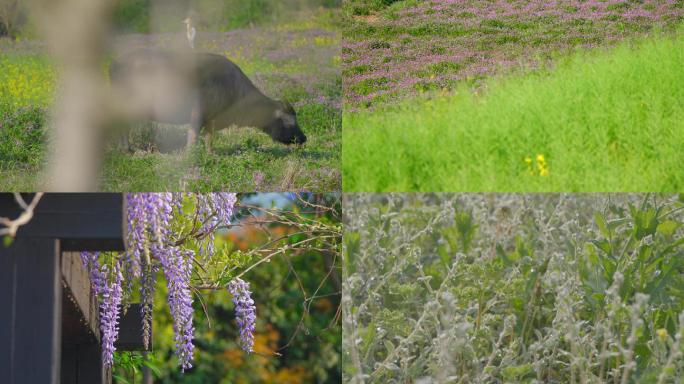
[(503, 288)]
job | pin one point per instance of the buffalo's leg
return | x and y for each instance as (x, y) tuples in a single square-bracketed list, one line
[(124, 145), (195, 126), (209, 135)]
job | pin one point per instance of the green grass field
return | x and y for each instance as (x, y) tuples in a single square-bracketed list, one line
[(298, 62), (602, 120)]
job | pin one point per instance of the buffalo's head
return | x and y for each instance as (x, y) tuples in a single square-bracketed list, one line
[(283, 127)]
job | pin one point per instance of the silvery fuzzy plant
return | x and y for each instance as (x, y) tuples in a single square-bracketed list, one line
[(497, 288)]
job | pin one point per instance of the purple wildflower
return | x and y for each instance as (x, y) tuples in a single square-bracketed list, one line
[(149, 237), (136, 239), (177, 267), (214, 209), (110, 305), (245, 312), (223, 206), (258, 178), (148, 281), (98, 278)]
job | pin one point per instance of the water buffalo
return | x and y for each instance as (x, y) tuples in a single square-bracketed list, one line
[(201, 89)]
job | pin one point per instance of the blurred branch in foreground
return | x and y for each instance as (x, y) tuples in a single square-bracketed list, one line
[(11, 226)]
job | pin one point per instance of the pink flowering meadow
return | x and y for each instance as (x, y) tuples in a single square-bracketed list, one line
[(405, 50)]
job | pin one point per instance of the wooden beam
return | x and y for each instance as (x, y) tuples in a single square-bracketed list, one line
[(30, 319), (130, 330), (82, 221), (77, 290), (81, 349)]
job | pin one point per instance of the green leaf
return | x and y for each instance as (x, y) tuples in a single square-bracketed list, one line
[(592, 257), (502, 255), (444, 255), (7, 240), (645, 222), (668, 227), (155, 370), (120, 379), (601, 223), (673, 246), (389, 346), (609, 266), (604, 245), (614, 224), (517, 372)]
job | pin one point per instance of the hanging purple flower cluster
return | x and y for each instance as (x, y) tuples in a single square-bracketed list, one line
[(152, 239), (214, 209), (177, 266), (245, 312), (109, 315), (149, 245), (149, 217), (110, 293), (148, 281)]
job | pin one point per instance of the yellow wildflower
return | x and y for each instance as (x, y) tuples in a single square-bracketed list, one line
[(662, 334), (528, 162), (542, 166)]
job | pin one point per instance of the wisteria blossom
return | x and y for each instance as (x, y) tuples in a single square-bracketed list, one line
[(151, 246), (110, 309), (245, 312), (109, 288), (177, 266)]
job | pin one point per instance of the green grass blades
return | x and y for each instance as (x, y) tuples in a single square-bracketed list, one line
[(598, 121), (241, 159)]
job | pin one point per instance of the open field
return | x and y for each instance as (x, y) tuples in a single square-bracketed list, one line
[(608, 121), (446, 95), (412, 47), (296, 61)]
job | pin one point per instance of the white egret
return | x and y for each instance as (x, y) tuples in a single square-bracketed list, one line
[(190, 32)]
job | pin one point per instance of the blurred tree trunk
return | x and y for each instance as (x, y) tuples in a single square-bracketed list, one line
[(77, 34)]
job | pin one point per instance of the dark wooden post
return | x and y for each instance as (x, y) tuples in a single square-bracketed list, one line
[(30, 319), (45, 291)]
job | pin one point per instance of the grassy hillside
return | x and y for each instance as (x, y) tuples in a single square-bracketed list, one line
[(598, 121), (397, 49)]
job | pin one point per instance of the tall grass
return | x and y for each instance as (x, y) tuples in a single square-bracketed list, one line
[(603, 121)]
